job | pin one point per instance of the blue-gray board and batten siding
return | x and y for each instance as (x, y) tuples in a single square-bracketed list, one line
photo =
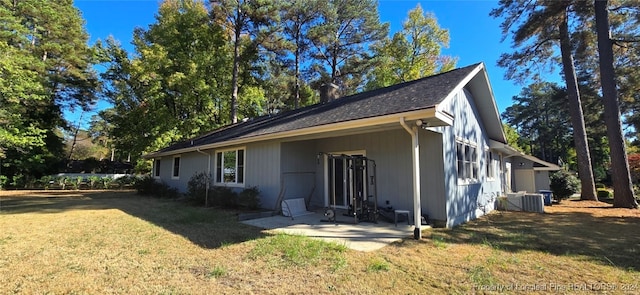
[(296, 167), (293, 167)]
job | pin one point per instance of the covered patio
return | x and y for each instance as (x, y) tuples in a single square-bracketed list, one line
[(363, 236)]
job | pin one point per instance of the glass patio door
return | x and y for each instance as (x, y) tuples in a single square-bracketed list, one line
[(341, 180)]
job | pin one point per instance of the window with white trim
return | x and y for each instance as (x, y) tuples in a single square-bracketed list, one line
[(230, 167), (176, 167), (156, 168), (491, 165), (467, 159)]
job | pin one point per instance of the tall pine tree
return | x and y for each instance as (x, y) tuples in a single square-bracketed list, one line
[(540, 28)]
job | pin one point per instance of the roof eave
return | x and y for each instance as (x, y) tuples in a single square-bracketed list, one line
[(512, 152), (430, 115)]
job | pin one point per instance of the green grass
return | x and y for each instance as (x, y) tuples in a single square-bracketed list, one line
[(377, 265), (217, 271), (284, 250), (481, 275), (439, 242)]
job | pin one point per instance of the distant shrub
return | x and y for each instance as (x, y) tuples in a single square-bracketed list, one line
[(148, 186), (77, 182), (197, 188), (634, 167), (3, 181), (249, 198), (46, 181), (18, 181), (603, 194), (62, 182), (93, 181), (124, 181), (106, 182), (564, 184)]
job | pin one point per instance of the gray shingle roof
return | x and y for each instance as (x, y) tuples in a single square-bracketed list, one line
[(404, 97)]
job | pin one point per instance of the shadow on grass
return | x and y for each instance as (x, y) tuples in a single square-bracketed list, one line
[(608, 240), (206, 227)]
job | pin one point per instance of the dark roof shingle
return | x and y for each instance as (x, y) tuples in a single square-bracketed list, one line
[(404, 97)]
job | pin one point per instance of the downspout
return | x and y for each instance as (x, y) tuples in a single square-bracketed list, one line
[(417, 210), (206, 190)]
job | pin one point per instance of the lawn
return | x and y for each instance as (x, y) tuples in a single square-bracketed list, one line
[(92, 242)]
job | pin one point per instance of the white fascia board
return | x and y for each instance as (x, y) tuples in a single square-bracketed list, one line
[(461, 85), (430, 113)]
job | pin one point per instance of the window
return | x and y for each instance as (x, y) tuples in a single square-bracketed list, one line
[(156, 168), (467, 159), (230, 167), (176, 167), (491, 165)]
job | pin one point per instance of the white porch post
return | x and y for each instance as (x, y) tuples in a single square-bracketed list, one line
[(417, 210)]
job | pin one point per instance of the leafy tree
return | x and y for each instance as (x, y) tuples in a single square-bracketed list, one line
[(46, 66), (297, 18), (515, 140), (539, 115), (19, 87), (634, 165), (413, 52), (251, 23), (541, 26), (340, 42), (85, 146), (174, 87), (622, 187)]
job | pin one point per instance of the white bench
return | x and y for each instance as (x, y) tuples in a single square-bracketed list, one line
[(294, 208)]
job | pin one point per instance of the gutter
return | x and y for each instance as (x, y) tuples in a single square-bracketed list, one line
[(415, 145), (206, 190), (438, 118)]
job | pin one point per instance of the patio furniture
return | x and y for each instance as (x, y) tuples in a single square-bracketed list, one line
[(401, 212), (294, 208)]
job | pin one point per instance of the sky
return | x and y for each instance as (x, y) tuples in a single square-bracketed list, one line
[(474, 35)]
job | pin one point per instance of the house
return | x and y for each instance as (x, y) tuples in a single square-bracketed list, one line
[(524, 172), (437, 143)]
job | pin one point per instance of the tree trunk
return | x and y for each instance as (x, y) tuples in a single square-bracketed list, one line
[(588, 188), (622, 188), (236, 61), (296, 95)]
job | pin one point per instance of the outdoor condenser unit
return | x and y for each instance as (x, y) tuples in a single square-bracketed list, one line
[(533, 203)]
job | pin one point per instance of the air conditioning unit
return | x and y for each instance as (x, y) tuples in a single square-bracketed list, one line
[(513, 202), (533, 203)]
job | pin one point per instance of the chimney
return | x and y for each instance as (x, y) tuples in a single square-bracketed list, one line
[(328, 92)]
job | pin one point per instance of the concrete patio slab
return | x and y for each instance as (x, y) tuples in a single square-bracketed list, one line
[(364, 236)]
